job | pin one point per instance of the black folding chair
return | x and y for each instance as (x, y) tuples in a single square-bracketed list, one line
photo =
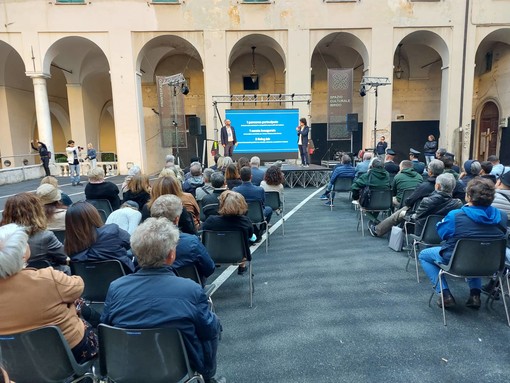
[(256, 215), (208, 207), (43, 356), (474, 258), (60, 234), (144, 355), (39, 264), (380, 201), (228, 247), (273, 200), (405, 194), (97, 277), (341, 185), (102, 204), (427, 238)]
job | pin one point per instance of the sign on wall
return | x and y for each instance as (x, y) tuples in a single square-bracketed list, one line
[(339, 103)]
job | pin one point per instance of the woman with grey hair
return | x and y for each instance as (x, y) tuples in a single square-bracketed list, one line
[(34, 298), (98, 188)]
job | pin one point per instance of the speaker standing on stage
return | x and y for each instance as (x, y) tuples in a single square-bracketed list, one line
[(228, 139), (302, 131)]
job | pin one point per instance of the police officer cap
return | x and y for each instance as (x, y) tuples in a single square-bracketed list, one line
[(391, 152), (414, 151)]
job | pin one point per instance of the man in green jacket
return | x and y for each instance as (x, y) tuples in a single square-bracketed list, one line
[(407, 178), (377, 178)]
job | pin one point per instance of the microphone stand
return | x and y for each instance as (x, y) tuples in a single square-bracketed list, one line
[(174, 123), (327, 151)]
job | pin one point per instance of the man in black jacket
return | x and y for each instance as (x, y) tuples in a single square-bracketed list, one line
[(44, 154), (440, 202), (423, 190)]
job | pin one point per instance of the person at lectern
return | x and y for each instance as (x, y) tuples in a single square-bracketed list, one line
[(302, 132), (228, 139)]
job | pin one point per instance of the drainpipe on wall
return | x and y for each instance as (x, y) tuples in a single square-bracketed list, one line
[(462, 82)]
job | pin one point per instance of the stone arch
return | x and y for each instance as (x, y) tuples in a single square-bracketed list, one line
[(76, 56), (270, 64), (492, 58), (165, 55), (336, 50)]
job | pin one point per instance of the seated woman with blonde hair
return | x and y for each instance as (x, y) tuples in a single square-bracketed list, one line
[(232, 210), (32, 298), (138, 189), (26, 209)]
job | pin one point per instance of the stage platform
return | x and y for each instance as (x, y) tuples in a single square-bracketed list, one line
[(314, 175)]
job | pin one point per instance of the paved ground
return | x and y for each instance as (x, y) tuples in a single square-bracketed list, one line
[(331, 306)]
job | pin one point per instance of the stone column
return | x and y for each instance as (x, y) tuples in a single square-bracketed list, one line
[(42, 108), (77, 114)]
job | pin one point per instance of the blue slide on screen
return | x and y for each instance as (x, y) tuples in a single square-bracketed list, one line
[(265, 130)]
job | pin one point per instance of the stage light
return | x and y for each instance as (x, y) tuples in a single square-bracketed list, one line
[(184, 89), (254, 76), (362, 91)]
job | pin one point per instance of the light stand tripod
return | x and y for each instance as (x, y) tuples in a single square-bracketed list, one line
[(176, 126), (176, 80), (373, 82)]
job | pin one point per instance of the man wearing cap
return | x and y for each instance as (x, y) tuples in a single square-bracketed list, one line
[(389, 164), (417, 164), (472, 169), (443, 153)]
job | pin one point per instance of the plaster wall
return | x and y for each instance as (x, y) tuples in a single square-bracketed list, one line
[(214, 28)]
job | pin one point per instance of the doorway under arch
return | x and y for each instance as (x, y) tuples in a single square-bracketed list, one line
[(488, 132)]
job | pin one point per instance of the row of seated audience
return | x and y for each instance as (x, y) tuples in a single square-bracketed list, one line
[(474, 204), (151, 250)]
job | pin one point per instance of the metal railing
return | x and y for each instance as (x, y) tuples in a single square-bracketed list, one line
[(106, 160)]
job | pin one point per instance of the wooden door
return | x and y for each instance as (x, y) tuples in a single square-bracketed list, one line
[(488, 132)]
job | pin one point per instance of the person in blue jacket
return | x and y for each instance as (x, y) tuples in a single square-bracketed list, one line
[(154, 297), (344, 170), (477, 219), (190, 250)]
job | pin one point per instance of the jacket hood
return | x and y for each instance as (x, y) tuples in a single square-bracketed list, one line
[(198, 180), (486, 215), (380, 174), (411, 173)]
